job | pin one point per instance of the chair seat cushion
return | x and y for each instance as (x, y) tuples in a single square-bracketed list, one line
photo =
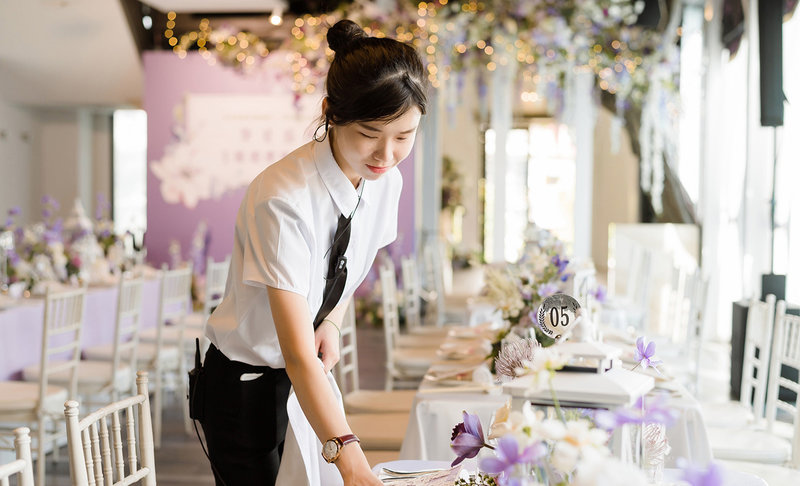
[(417, 341), (431, 331), (92, 375), (748, 445), (415, 359), (379, 431), (22, 396), (726, 414), (145, 354), (379, 401)]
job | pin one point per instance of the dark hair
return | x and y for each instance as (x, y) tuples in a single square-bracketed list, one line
[(371, 78)]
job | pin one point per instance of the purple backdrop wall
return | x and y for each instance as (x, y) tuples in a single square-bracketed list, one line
[(168, 80)]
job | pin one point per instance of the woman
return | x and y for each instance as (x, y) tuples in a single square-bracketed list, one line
[(271, 329)]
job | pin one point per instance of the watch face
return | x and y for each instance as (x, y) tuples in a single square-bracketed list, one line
[(329, 449)]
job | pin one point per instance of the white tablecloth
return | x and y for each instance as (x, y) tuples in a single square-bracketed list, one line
[(21, 325), (437, 410)]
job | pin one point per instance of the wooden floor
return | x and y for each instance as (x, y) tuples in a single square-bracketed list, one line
[(180, 460)]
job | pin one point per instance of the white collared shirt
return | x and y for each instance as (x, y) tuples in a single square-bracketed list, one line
[(284, 229)]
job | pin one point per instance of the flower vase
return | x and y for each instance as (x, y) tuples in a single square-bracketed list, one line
[(655, 450)]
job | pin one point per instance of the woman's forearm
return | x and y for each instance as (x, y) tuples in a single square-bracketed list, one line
[(322, 410)]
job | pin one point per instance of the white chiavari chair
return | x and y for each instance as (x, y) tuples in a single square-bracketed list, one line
[(161, 359), (38, 404), (412, 302), (404, 365), (749, 409), (355, 399), (194, 323), (113, 445), (102, 377), (22, 467), (785, 353), (754, 443), (379, 418), (403, 340)]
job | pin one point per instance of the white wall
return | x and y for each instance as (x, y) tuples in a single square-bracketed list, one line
[(40, 154), (615, 195), (461, 141), (17, 140)]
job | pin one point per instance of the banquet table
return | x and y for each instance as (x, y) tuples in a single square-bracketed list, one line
[(438, 407), (21, 324), (671, 476)]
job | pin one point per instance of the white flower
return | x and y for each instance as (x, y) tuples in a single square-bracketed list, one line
[(603, 470), (564, 457)]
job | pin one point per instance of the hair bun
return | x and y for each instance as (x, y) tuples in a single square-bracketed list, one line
[(343, 33)]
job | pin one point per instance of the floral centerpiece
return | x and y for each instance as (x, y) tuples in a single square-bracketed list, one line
[(518, 289), (529, 447), (54, 251)]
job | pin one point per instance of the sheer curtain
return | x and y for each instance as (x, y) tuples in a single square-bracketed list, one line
[(737, 177)]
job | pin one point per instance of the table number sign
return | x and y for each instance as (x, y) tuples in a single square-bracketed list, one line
[(558, 315)]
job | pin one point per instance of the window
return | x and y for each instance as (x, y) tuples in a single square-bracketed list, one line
[(129, 172)]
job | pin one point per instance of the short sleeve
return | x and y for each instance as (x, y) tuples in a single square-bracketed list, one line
[(390, 230), (277, 248)]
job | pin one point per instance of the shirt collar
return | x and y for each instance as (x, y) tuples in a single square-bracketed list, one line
[(344, 195)]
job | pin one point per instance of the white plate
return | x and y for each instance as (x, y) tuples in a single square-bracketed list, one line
[(410, 465)]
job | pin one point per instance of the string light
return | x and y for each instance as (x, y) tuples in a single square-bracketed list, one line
[(438, 30)]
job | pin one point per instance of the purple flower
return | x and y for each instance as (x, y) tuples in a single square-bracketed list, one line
[(651, 411), (698, 476), (643, 355), (467, 438), (599, 294), (13, 258), (14, 211), (508, 456), (547, 289), (559, 263), (51, 202)]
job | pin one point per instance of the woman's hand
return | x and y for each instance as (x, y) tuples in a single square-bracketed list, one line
[(326, 342), (354, 467)]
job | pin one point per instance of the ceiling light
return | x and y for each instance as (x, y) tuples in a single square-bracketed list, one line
[(147, 22), (277, 16)]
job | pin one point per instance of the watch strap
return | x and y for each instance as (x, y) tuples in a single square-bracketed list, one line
[(348, 438)]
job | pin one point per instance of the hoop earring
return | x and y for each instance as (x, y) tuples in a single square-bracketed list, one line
[(317, 138)]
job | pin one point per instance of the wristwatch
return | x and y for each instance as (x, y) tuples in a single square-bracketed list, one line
[(333, 447)]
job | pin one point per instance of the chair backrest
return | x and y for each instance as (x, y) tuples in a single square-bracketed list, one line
[(391, 320), (129, 318), (678, 305), (23, 465), (785, 352), (347, 368), (98, 456), (61, 337), (758, 337), (697, 323), (583, 281), (216, 279), (175, 302), (411, 292), (434, 275)]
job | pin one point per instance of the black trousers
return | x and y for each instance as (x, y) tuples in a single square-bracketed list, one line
[(245, 421)]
